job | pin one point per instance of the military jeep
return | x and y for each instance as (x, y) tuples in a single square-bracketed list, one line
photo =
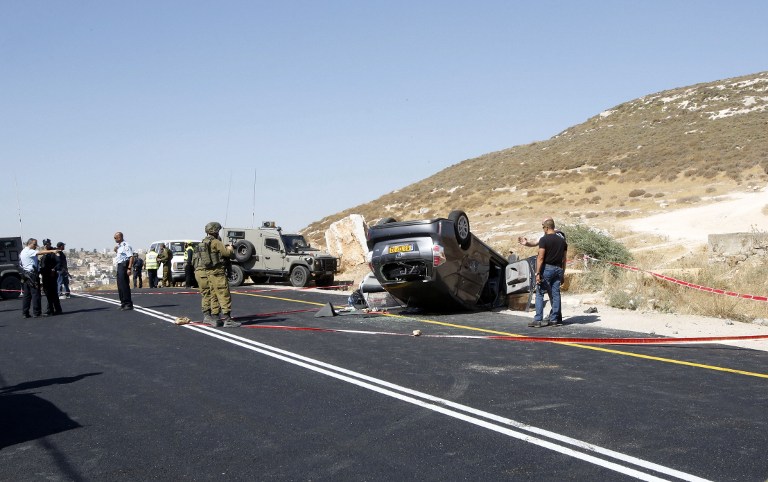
[(10, 272), (266, 253)]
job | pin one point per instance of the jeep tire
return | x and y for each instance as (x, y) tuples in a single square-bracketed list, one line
[(11, 287), (300, 276), (244, 250), (235, 276)]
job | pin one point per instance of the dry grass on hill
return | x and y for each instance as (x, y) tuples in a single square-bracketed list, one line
[(676, 147), (665, 151)]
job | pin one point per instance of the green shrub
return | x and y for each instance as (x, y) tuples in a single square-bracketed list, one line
[(585, 240)]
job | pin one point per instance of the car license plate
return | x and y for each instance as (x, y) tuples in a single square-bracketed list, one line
[(401, 248)]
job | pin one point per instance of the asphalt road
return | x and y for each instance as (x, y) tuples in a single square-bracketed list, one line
[(99, 394)]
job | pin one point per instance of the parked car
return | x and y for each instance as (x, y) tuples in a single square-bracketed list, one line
[(177, 263), (436, 264)]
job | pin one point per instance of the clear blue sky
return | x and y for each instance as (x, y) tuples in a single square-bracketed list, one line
[(154, 117)]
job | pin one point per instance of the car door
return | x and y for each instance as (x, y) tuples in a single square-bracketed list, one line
[(274, 255)]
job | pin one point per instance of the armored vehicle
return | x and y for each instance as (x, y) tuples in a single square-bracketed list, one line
[(437, 264), (10, 272), (266, 252)]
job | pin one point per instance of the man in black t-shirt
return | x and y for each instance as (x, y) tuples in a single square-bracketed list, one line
[(525, 242), (550, 272)]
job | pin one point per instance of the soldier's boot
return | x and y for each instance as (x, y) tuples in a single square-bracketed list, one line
[(228, 322), (208, 319), (216, 321)]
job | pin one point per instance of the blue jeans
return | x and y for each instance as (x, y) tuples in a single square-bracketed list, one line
[(63, 283), (550, 284)]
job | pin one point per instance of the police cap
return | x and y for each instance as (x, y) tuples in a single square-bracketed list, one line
[(212, 228)]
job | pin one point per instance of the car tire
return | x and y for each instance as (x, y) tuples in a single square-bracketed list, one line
[(235, 276), (11, 287), (461, 228), (259, 280), (326, 280), (244, 250), (385, 221), (300, 277)]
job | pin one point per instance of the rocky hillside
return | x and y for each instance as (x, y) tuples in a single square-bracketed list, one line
[(674, 148)]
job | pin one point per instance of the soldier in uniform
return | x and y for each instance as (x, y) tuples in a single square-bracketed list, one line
[(165, 256), (211, 274)]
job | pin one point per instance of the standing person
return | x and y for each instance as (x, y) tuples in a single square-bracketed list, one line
[(189, 268), (209, 304), (211, 275), (152, 266), (138, 264), (550, 270), (30, 272), (124, 263), (63, 272), (165, 256), (50, 278), (525, 242)]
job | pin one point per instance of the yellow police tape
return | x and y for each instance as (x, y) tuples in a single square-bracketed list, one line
[(577, 345)]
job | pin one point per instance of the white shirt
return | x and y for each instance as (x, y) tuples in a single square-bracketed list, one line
[(124, 253), (28, 260)]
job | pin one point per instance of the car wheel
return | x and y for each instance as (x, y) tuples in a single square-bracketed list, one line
[(11, 288), (244, 250), (259, 280), (461, 228), (300, 276), (235, 276), (326, 280), (385, 221)]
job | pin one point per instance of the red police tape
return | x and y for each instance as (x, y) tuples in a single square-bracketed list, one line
[(166, 291), (684, 283)]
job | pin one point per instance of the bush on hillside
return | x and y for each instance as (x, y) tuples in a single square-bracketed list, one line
[(585, 240)]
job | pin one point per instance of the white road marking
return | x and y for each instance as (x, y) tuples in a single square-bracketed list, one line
[(474, 416)]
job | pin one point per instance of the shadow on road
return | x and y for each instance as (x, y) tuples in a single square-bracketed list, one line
[(26, 416)]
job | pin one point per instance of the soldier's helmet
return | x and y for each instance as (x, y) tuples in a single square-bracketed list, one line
[(212, 228)]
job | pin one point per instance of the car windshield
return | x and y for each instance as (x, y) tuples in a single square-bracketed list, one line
[(177, 247), (294, 242)]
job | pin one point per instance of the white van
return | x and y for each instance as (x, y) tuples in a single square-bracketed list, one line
[(177, 263)]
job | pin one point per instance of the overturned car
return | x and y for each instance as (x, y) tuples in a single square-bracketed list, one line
[(436, 264)]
